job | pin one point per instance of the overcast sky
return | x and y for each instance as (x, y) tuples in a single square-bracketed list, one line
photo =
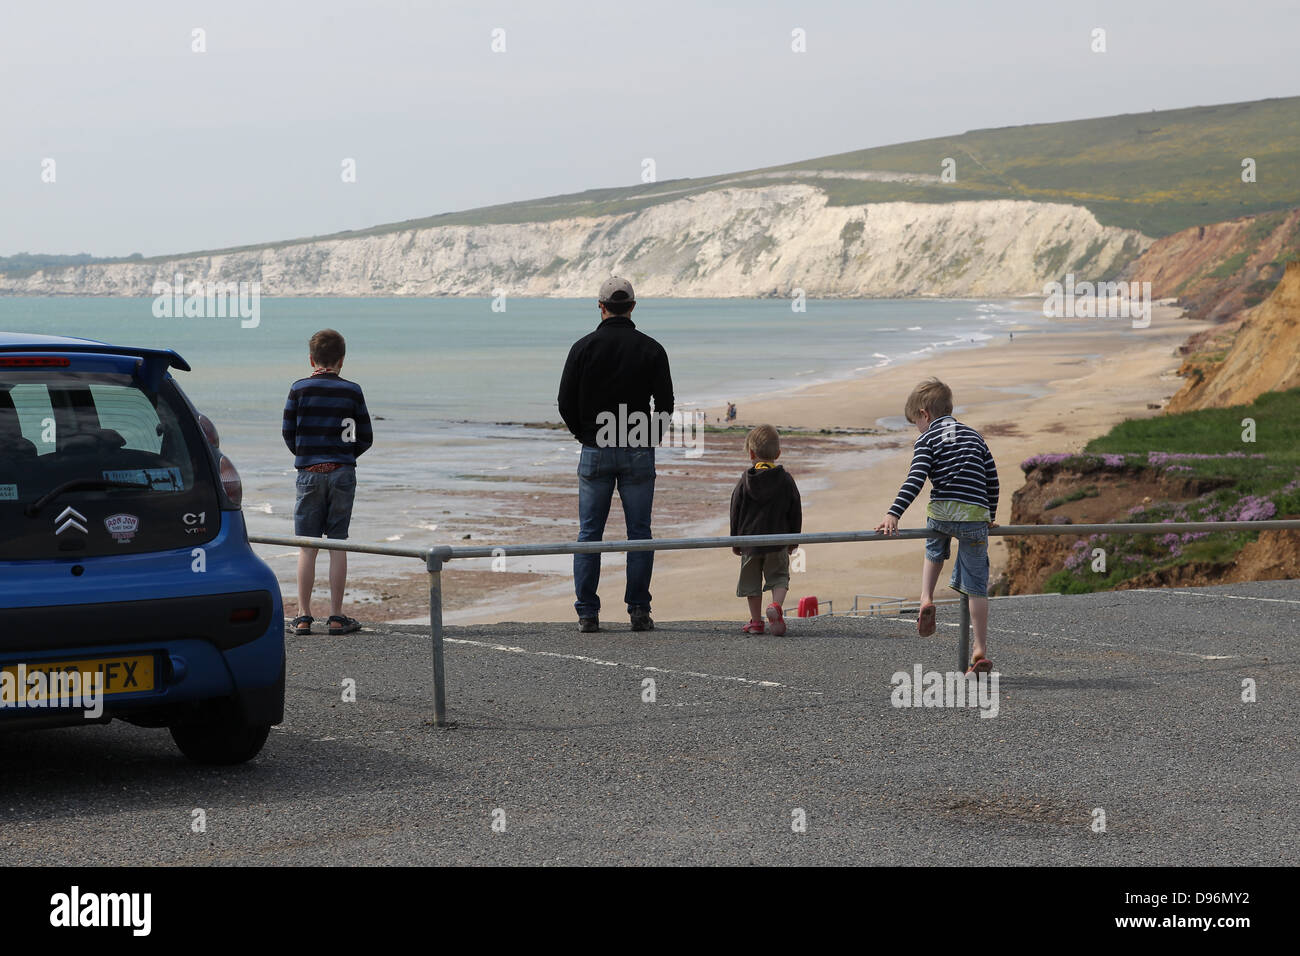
[(160, 149)]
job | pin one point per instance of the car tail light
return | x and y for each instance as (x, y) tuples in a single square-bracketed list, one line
[(241, 615), (209, 431), (33, 361), (234, 488)]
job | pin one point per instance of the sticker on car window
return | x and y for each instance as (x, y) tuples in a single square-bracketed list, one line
[(122, 527), (8, 492), (158, 479)]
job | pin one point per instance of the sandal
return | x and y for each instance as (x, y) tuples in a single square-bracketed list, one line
[(777, 618), (925, 620), (754, 627), (301, 624), (346, 624), (980, 665)]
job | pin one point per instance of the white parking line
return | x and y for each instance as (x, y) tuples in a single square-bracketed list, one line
[(1235, 597), (1122, 647), (511, 649), (1079, 640)]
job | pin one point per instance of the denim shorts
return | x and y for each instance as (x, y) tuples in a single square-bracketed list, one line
[(970, 575), (324, 505)]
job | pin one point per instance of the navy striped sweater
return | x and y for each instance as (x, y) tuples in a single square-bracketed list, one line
[(957, 462), (320, 415)]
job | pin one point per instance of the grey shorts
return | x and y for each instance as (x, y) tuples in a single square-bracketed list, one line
[(324, 505), (754, 568), (970, 575)]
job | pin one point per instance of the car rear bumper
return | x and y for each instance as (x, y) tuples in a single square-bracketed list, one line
[(212, 634), (186, 672), (224, 620)]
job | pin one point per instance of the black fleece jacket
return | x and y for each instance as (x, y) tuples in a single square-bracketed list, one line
[(614, 365), (766, 501)]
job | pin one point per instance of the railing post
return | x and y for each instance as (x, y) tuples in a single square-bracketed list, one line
[(434, 563), (963, 639)]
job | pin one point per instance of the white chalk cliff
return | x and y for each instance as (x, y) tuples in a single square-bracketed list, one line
[(757, 241)]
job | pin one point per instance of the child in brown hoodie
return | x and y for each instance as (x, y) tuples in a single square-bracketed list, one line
[(765, 501)]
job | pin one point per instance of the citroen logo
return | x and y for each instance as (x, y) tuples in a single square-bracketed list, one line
[(71, 518)]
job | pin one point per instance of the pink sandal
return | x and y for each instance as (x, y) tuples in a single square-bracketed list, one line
[(754, 627), (777, 618), (980, 665)]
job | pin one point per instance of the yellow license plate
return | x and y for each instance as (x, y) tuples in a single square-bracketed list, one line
[(41, 681)]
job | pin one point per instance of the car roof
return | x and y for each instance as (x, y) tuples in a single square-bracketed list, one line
[(31, 338)]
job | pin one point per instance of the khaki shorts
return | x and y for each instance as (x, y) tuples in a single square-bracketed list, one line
[(774, 566)]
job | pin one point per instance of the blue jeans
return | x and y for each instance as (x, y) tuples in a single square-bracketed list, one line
[(599, 471)]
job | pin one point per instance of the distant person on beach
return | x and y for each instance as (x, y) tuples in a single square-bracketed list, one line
[(765, 501), (609, 379), (327, 427), (963, 505), (731, 412)]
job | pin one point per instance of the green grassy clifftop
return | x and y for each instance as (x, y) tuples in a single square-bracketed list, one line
[(1156, 172)]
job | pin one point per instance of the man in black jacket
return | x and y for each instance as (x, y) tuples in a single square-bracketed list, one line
[(609, 379)]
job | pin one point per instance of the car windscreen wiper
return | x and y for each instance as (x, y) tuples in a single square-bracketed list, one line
[(79, 484)]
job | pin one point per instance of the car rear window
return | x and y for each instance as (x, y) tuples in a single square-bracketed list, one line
[(59, 426)]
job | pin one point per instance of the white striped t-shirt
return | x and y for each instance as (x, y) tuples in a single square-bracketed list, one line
[(958, 464)]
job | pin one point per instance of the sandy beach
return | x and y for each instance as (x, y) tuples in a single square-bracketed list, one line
[(1041, 392)]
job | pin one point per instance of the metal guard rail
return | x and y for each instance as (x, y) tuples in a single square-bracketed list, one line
[(438, 555)]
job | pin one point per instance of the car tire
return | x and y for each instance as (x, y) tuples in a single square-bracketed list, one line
[(221, 739)]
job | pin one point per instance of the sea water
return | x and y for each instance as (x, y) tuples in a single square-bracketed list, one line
[(450, 382)]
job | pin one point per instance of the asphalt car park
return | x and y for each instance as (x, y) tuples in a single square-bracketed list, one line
[(1139, 727)]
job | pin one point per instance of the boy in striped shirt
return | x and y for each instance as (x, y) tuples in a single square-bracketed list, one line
[(327, 427), (963, 505)]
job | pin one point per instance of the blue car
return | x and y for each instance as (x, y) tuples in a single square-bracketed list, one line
[(128, 588)]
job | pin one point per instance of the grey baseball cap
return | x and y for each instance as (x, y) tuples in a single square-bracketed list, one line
[(611, 287)]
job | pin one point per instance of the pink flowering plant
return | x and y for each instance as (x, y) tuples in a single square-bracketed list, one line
[(1253, 478), (1129, 555)]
